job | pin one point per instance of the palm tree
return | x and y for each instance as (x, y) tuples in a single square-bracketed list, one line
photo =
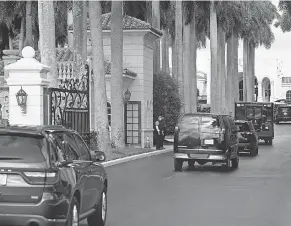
[(117, 125), (47, 38), (79, 35), (214, 93), (157, 24), (179, 50), (102, 126)]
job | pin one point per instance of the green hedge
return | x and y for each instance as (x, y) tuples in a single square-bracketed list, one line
[(166, 100)]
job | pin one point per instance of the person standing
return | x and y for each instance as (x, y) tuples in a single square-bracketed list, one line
[(163, 130), (158, 134)]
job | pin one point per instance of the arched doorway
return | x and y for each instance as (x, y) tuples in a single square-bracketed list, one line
[(288, 96), (266, 88)]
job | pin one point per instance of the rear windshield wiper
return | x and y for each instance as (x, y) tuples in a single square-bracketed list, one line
[(10, 158)]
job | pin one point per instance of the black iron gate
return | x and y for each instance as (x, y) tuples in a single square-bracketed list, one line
[(69, 104)]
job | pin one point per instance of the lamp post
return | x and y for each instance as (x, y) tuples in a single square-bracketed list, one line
[(21, 97)]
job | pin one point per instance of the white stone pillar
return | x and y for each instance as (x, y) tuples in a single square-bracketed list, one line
[(260, 92), (31, 75)]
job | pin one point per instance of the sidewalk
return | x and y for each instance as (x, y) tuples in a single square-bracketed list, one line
[(117, 153)]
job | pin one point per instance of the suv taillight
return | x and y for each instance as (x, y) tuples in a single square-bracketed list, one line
[(41, 177)]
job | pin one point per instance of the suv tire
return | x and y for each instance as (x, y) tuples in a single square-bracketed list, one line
[(178, 164), (254, 151), (98, 218), (73, 213), (235, 162)]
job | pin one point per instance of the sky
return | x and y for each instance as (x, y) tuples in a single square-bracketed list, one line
[(266, 59)]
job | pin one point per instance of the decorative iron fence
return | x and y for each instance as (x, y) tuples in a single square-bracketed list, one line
[(69, 104)]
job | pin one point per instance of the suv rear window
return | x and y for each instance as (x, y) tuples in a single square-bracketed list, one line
[(207, 124), (20, 148), (242, 127)]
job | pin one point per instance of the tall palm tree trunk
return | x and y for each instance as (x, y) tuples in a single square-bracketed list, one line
[(213, 48), (186, 66), (179, 50), (117, 123), (28, 31), (174, 59), (22, 34), (251, 85), (253, 71), (235, 80), (221, 70), (193, 67), (47, 48), (79, 36), (229, 78), (165, 51), (156, 22), (245, 68), (101, 120)]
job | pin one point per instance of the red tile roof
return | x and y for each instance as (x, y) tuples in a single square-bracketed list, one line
[(129, 23)]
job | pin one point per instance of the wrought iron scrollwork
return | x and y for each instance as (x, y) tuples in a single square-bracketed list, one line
[(71, 96)]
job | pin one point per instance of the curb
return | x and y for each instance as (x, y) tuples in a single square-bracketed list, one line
[(135, 157)]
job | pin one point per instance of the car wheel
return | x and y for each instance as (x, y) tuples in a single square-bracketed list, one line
[(178, 164), (98, 218), (191, 163), (235, 162), (227, 164), (254, 151), (271, 142), (73, 218)]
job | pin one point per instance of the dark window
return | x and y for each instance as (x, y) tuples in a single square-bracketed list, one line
[(22, 148), (109, 113), (72, 149), (84, 152), (210, 124), (288, 96), (189, 124), (242, 127)]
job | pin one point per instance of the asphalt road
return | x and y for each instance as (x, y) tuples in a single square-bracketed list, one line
[(148, 192)]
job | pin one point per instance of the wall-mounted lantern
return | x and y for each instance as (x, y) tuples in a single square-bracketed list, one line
[(21, 97), (127, 96)]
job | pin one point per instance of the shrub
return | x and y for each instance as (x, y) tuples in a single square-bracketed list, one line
[(91, 140), (166, 100)]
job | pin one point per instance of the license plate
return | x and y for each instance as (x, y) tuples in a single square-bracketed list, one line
[(208, 141), (285, 113), (202, 156), (3, 179)]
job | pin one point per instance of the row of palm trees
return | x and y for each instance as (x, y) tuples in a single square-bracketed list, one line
[(186, 26)]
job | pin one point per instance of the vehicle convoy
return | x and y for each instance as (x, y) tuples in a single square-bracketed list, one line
[(205, 137), (247, 137), (261, 114), (49, 177), (283, 113)]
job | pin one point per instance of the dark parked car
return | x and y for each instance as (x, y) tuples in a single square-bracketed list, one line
[(205, 137), (247, 137), (48, 177), (283, 113)]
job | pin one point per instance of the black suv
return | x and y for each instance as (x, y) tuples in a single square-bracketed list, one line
[(247, 137), (205, 137), (48, 177)]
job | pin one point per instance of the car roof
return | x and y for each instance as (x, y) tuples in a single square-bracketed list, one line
[(32, 130)]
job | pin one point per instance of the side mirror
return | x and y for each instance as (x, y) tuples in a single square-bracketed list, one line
[(98, 156)]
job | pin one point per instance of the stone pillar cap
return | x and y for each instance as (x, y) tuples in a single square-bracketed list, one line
[(28, 62)]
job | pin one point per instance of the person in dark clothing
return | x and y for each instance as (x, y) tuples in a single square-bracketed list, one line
[(163, 129), (157, 133)]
